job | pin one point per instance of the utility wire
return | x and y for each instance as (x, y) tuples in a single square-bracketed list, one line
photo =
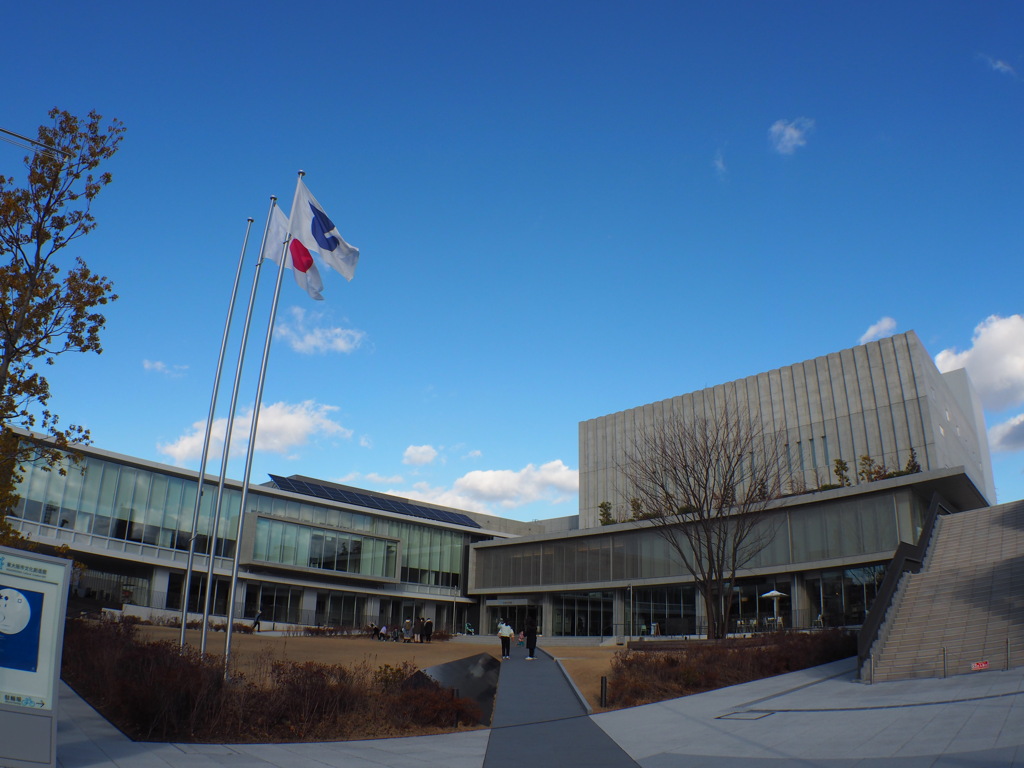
[(35, 146)]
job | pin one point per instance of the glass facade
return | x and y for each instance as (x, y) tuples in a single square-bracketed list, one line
[(867, 525), (339, 609), (277, 602), (116, 501), (431, 556), (587, 583), (285, 543), (668, 610), (428, 554), (843, 597), (583, 614)]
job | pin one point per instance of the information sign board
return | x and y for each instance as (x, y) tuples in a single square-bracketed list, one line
[(33, 602)]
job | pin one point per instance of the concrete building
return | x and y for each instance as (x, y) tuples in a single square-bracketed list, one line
[(313, 552), (880, 399)]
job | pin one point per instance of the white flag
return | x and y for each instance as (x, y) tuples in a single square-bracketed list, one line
[(297, 260), (312, 227)]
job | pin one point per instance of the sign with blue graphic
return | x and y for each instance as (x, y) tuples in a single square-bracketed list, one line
[(33, 601), (21, 614)]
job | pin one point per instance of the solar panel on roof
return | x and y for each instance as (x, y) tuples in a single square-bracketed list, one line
[(371, 501)]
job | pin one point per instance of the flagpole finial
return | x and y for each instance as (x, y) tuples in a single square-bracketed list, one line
[(250, 219), (301, 173), (273, 198)]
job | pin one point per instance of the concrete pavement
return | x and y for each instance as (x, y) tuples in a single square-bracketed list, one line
[(816, 718)]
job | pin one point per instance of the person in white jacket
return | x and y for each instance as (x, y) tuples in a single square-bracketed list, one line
[(505, 633)]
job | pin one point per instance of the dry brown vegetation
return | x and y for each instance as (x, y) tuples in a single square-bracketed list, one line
[(642, 677), (153, 690), (301, 688)]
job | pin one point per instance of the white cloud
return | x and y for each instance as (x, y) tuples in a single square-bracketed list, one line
[(788, 135), (1008, 437), (473, 455), (719, 164), (446, 497), (418, 455), (998, 65), (553, 482), (174, 371), (282, 428), (365, 441), (882, 328), (480, 491), (372, 477), (303, 336), (995, 361)]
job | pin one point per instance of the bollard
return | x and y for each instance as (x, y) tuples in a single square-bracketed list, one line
[(604, 691)]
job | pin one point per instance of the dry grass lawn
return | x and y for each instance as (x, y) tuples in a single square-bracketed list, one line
[(585, 664)]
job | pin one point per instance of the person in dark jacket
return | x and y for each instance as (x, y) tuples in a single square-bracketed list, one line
[(531, 638)]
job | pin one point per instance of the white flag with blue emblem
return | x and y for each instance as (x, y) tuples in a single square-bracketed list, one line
[(312, 227)]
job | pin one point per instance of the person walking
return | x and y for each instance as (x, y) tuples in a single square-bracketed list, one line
[(417, 630), (505, 633), (428, 629), (531, 638)]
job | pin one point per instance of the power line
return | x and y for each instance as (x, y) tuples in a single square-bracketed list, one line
[(35, 146)]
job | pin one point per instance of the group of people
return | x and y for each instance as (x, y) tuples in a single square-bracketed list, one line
[(418, 631), (527, 637)]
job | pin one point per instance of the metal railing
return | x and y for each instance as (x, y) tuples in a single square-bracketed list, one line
[(908, 558)]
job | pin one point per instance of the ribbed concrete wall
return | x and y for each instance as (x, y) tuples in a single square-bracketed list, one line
[(879, 399)]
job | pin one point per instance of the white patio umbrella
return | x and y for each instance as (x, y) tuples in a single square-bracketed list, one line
[(775, 595)]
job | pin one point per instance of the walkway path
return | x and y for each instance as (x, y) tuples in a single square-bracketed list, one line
[(817, 718), (540, 719)]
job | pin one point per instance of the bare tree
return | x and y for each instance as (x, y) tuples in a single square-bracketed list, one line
[(706, 484)]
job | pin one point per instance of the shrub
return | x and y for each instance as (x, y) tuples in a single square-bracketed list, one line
[(431, 706), (640, 677), (162, 692)]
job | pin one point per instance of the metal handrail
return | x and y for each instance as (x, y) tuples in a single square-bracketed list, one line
[(908, 558)]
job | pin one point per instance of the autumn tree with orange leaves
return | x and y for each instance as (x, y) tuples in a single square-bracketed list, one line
[(50, 304)]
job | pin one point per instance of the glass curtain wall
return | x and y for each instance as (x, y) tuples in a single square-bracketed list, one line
[(841, 598), (846, 528), (340, 609), (429, 555), (116, 501), (669, 610), (276, 602), (196, 594), (583, 614), (286, 543)]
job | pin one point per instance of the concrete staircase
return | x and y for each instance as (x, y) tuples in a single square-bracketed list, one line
[(965, 606)]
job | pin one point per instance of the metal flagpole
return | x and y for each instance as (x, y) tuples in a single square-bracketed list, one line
[(215, 527), (252, 437), (206, 439)]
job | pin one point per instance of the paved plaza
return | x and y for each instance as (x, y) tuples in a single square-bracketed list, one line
[(818, 717)]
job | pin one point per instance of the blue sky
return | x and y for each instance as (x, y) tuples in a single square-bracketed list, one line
[(564, 210)]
